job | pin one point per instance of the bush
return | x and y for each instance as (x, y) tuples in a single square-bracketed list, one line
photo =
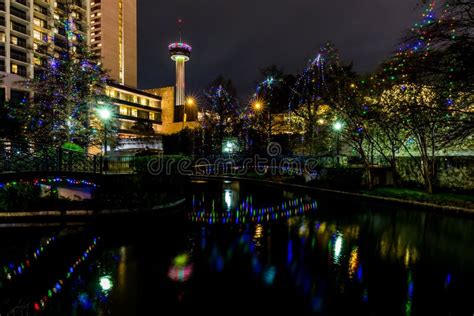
[(19, 197)]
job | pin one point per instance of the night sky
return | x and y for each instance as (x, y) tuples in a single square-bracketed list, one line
[(236, 38)]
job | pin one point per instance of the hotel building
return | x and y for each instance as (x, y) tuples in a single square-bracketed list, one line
[(28, 30), (113, 37)]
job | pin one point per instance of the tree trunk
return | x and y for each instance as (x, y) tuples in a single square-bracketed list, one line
[(427, 174)]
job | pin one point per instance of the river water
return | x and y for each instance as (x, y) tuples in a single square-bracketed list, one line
[(241, 248)]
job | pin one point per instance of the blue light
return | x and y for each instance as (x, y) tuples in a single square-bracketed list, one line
[(269, 275), (448, 280), (290, 251)]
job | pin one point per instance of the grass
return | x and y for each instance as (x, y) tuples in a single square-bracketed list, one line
[(446, 198)]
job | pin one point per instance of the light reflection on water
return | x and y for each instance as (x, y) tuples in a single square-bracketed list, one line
[(272, 252)]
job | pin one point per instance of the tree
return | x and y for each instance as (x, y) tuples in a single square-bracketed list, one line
[(271, 96), (315, 92), (438, 52), (429, 82), (10, 121), (424, 121), (221, 112), (67, 90)]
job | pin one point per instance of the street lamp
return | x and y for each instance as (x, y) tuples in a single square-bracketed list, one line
[(105, 115), (337, 127), (257, 105), (190, 102)]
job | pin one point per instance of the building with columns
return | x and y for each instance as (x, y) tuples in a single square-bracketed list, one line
[(29, 30)]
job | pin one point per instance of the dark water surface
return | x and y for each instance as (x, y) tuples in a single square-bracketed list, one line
[(248, 249)]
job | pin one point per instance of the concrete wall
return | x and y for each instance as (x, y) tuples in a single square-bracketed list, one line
[(167, 115)]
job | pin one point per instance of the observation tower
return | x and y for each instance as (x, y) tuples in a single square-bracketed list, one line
[(180, 53)]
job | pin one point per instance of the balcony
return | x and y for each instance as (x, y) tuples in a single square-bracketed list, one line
[(20, 71), (21, 44), (40, 9), (41, 49), (79, 5), (19, 56), (139, 119), (19, 28), (18, 13), (23, 2)]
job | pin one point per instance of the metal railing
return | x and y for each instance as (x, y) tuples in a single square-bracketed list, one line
[(27, 157)]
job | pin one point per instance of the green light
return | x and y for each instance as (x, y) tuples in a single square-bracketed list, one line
[(181, 260)]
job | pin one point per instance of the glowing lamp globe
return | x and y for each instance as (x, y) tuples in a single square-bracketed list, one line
[(104, 114), (337, 126)]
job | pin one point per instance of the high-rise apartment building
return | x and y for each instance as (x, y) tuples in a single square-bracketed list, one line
[(29, 29), (113, 34)]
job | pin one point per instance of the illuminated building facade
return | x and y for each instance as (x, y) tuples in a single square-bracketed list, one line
[(29, 29), (170, 125), (113, 37), (139, 112)]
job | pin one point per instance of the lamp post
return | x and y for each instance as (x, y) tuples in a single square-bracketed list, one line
[(190, 102), (105, 115), (337, 127)]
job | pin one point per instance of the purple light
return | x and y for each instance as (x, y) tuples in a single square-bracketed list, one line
[(180, 46)]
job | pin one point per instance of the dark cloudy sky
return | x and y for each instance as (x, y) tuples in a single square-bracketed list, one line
[(236, 38)]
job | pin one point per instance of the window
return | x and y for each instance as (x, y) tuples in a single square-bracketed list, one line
[(14, 40), (152, 116), (143, 115), (123, 110), (2, 37), (134, 113), (39, 22), (37, 35), (14, 68)]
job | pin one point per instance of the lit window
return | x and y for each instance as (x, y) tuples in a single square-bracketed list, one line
[(123, 110), (37, 35), (14, 40), (14, 68), (39, 22), (134, 112), (2, 37)]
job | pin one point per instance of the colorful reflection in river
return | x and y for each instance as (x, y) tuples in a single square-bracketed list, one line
[(247, 213)]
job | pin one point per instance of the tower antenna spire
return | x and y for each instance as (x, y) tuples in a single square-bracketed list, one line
[(180, 28)]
